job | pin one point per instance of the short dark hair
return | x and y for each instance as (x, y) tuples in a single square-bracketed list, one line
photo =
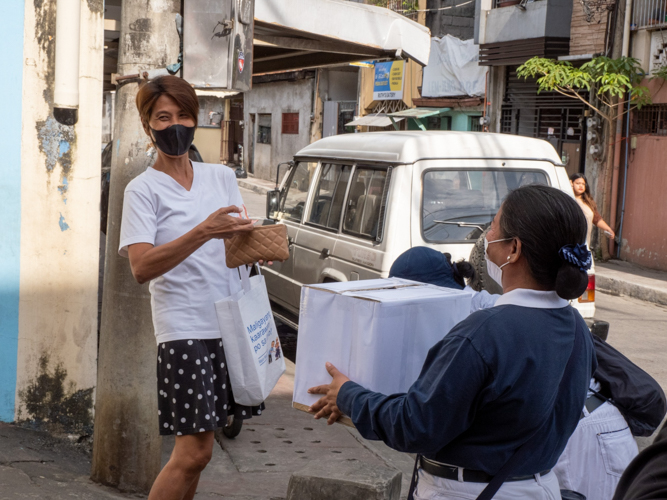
[(545, 219), (176, 88)]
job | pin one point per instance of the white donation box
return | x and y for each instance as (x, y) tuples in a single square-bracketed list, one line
[(376, 332)]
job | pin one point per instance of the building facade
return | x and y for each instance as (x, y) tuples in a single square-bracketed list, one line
[(50, 202), (284, 112)]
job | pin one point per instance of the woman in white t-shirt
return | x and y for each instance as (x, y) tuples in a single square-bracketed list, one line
[(175, 217)]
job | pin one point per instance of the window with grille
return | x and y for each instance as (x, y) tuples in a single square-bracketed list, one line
[(264, 129), (290, 123), (651, 120), (474, 125)]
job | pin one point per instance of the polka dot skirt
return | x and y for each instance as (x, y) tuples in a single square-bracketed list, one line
[(194, 393)]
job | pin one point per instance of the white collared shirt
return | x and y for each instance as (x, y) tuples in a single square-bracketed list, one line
[(537, 299)]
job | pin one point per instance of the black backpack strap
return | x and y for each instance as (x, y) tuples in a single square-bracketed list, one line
[(413, 481), (524, 452)]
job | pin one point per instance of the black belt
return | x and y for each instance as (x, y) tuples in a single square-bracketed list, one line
[(469, 475), (593, 402)]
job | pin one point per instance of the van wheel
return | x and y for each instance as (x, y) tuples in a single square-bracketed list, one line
[(482, 280)]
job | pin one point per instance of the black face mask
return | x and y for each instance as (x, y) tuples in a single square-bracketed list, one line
[(174, 140)]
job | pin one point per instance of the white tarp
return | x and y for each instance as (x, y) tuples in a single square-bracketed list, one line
[(453, 69)]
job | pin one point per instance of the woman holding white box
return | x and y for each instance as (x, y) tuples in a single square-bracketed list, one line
[(499, 396)]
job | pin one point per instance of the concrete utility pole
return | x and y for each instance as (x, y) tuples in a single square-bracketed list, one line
[(126, 448)]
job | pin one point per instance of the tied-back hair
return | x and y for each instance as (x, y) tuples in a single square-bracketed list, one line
[(586, 195), (545, 219)]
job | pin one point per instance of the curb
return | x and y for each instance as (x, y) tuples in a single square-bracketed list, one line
[(619, 287), (247, 184)]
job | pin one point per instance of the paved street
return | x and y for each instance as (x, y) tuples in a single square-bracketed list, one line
[(255, 203), (638, 331)]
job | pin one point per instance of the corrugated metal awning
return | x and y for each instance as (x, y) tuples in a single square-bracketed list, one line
[(376, 120), (298, 34), (419, 112)]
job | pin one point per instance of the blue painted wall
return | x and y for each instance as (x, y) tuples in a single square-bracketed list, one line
[(11, 41)]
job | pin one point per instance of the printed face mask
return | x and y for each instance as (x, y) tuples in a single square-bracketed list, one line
[(175, 140), (495, 272)]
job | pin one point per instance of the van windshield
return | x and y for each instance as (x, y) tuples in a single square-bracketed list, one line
[(458, 205)]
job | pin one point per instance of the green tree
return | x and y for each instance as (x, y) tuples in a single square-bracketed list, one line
[(605, 85), (608, 82)]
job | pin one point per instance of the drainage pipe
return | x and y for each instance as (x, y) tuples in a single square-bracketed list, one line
[(66, 85), (625, 185), (619, 129)]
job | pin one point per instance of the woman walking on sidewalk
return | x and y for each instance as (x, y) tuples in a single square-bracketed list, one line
[(175, 217), (582, 193), (499, 396)]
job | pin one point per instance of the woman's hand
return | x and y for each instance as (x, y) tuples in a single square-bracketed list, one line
[(326, 406), (221, 225)]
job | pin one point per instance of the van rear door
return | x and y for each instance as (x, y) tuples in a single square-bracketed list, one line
[(459, 198)]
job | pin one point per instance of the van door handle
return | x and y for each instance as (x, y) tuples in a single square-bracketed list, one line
[(325, 253), (290, 241)]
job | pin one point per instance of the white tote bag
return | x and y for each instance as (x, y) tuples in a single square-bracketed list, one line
[(255, 359)]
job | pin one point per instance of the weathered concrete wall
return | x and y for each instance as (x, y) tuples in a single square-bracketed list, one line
[(644, 226), (207, 141), (338, 85), (60, 197), (11, 39), (277, 98)]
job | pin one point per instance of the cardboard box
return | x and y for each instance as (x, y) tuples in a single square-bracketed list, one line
[(376, 332)]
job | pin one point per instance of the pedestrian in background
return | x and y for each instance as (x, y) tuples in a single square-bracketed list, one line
[(582, 193), (502, 392), (175, 217), (427, 265)]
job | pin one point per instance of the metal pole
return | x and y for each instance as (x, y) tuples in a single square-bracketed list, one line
[(127, 446), (625, 183)]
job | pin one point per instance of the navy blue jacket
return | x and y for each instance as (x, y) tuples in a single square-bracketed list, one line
[(484, 389)]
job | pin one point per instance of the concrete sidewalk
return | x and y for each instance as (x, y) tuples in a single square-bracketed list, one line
[(256, 465), (259, 186), (618, 277)]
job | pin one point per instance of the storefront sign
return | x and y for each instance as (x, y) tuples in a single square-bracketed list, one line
[(388, 84)]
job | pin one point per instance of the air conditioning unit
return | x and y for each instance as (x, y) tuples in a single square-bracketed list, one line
[(595, 150), (593, 122)]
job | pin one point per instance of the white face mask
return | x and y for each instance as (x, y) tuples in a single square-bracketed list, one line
[(495, 272)]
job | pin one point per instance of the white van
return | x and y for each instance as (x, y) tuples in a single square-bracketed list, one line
[(353, 203)]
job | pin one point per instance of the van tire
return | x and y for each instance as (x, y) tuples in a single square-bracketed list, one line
[(482, 280)]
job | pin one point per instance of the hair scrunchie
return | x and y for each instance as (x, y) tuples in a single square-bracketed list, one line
[(577, 255)]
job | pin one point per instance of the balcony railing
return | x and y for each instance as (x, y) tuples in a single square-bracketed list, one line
[(649, 14)]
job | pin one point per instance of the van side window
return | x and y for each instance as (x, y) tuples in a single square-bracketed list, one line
[(296, 191), (329, 195), (362, 210)]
